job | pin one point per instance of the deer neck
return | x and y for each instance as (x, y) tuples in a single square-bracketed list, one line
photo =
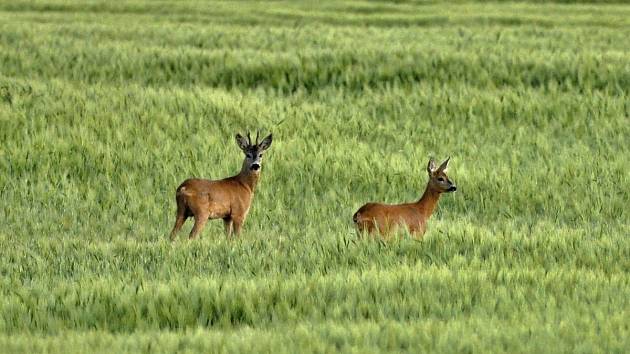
[(428, 202), (248, 178)]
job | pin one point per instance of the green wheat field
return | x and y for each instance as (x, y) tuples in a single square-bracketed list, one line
[(106, 107)]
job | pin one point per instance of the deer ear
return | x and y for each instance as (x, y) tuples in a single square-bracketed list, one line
[(431, 166), (242, 142), (444, 166), (266, 143)]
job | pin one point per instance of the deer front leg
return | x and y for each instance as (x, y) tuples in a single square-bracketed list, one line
[(237, 223), (227, 223)]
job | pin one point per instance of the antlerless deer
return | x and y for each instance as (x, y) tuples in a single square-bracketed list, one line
[(386, 218)]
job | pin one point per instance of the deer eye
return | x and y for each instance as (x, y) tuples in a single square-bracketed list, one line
[(440, 179)]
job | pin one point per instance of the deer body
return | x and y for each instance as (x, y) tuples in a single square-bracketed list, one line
[(387, 218), (228, 199)]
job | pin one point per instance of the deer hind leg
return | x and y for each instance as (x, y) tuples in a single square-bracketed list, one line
[(200, 221), (364, 225), (179, 221), (373, 228), (180, 218)]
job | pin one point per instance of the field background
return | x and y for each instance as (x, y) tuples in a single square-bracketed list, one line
[(106, 107)]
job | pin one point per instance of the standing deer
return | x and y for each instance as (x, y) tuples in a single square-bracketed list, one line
[(228, 199), (385, 218)]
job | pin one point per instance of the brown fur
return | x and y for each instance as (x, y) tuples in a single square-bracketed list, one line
[(228, 199), (388, 218)]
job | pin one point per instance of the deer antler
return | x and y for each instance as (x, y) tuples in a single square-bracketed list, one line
[(257, 133), (249, 139)]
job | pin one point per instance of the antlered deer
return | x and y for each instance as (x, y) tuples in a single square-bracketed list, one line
[(228, 199), (385, 218)]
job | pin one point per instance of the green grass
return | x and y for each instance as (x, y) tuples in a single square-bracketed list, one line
[(106, 107)]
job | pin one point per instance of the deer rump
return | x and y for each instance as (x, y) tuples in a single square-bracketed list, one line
[(196, 194)]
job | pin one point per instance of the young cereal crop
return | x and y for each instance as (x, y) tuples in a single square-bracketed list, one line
[(105, 107)]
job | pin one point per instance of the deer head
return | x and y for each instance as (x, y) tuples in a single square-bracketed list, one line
[(253, 151), (438, 180)]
